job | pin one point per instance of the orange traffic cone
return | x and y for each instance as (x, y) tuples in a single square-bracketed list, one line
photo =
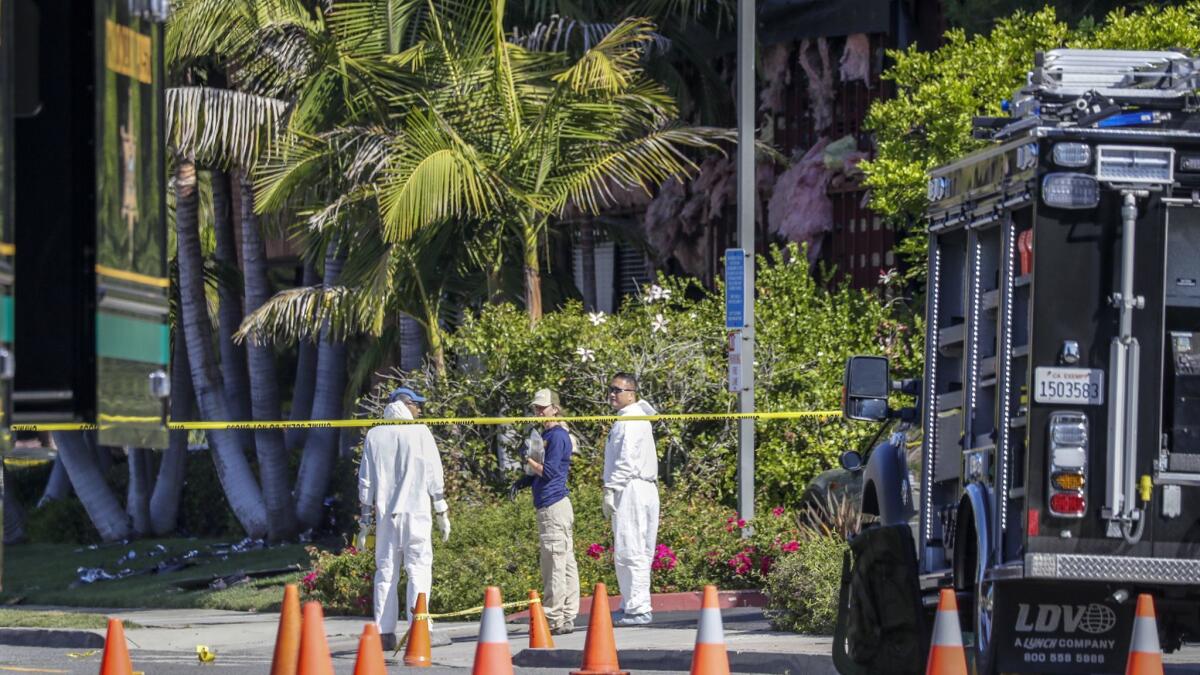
[(539, 627), (116, 653), (370, 652), (417, 652), (1145, 656), (600, 647), (710, 657), (946, 655), (287, 639), (314, 650), (492, 656)]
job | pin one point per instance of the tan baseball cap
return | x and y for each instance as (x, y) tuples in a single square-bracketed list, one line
[(546, 397)]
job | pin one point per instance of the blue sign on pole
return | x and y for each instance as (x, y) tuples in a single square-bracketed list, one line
[(735, 288)]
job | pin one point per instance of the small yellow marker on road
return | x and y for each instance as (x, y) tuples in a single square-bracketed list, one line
[(205, 654)]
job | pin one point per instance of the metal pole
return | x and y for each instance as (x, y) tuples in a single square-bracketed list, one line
[(745, 214)]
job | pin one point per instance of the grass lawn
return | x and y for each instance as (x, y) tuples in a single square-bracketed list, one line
[(45, 574), (24, 618)]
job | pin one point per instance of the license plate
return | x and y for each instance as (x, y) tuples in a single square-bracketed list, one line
[(1071, 386)]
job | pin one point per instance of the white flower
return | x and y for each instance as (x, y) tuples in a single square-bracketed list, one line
[(656, 292), (888, 277), (585, 355), (597, 318), (659, 325)]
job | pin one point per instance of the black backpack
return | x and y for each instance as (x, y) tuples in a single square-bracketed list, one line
[(880, 626)]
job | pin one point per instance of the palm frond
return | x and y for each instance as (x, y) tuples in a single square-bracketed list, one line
[(610, 65), (643, 162), (220, 126), (433, 175)]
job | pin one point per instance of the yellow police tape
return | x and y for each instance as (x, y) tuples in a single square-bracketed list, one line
[(403, 641), (113, 421)]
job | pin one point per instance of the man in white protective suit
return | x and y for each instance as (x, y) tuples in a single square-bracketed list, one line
[(399, 478), (631, 499)]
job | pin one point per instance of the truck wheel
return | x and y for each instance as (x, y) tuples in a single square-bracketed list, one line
[(984, 648)]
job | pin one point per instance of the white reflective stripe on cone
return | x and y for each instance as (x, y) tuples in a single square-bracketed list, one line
[(1145, 636), (492, 628), (946, 632), (711, 631)]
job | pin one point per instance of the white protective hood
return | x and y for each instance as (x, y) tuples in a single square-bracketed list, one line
[(401, 470), (630, 452)]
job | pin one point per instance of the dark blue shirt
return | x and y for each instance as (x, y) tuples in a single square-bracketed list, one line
[(551, 487)]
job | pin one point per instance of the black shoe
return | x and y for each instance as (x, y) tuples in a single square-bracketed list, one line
[(389, 642)]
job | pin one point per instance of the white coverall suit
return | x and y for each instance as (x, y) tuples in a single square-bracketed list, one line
[(400, 474), (631, 470)]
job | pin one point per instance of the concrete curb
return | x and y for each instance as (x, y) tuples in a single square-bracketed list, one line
[(47, 637), (673, 602), (680, 660)]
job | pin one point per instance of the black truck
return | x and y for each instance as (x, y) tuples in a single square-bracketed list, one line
[(1059, 411)]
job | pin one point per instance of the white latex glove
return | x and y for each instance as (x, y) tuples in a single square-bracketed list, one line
[(610, 503), (443, 522), (365, 519)]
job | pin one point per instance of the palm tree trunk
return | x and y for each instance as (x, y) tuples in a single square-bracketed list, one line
[(272, 454), (98, 499), (306, 376), (437, 349), (587, 251), (168, 488), (58, 486), (12, 525), (241, 489), (316, 465), (229, 313), (533, 278), (137, 499)]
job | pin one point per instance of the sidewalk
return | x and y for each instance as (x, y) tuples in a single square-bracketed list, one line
[(246, 640)]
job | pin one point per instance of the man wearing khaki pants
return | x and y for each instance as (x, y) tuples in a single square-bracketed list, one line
[(555, 517)]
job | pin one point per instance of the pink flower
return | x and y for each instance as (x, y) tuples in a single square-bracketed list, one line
[(764, 565), (595, 551), (351, 550), (310, 581), (790, 547), (664, 558), (741, 523), (777, 511)]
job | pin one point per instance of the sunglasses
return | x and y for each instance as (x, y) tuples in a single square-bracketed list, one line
[(618, 390)]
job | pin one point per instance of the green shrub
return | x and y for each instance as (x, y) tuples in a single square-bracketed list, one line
[(494, 543), (27, 481), (673, 338), (802, 589), (204, 511), (63, 521), (341, 582)]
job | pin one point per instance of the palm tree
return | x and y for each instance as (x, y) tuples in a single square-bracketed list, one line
[(79, 458), (168, 487), (477, 128), (229, 307), (316, 464), (265, 403), (237, 480)]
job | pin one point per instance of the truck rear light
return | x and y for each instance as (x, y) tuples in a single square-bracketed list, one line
[(1067, 481), (1033, 525), (1067, 457), (1067, 504), (1072, 154), (1070, 191)]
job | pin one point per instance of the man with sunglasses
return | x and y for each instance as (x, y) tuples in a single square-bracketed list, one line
[(631, 498), (399, 478)]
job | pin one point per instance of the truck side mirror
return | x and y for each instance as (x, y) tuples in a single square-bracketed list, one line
[(865, 388), (851, 460)]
